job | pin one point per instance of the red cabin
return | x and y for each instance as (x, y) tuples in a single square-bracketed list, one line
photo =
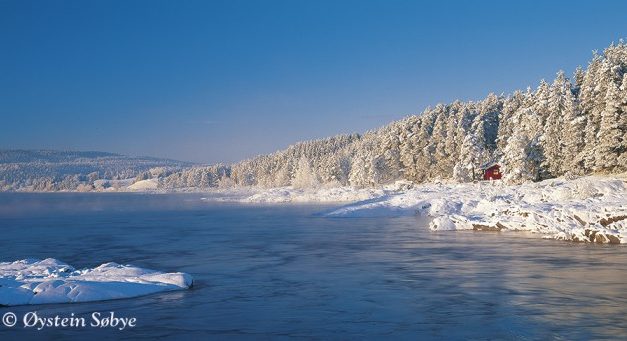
[(492, 172)]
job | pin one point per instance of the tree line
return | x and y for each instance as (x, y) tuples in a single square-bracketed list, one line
[(570, 126)]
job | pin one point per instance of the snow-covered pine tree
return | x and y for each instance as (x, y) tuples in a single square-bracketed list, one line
[(511, 105), (592, 93), (467, 167), (572, 135), (552, 134), (437, 143), (408, 148), (521, 159), (304, 176), (612, 131)]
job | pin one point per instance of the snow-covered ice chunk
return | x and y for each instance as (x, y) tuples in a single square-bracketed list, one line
[(32, 281)]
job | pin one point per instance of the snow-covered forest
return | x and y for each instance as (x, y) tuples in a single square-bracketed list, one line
[(570, 126)]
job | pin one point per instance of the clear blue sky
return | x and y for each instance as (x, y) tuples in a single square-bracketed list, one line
[(213, 81)]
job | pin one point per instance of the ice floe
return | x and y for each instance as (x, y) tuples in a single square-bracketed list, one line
[(32, 281)]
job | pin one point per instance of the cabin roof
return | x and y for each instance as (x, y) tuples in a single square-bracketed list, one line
[(489, 165)]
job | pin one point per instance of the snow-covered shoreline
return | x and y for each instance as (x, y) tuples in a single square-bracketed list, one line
[(321, 194), (586, 209), (32, 281)]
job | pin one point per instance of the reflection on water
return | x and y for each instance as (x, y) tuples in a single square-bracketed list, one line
[(282, 271)]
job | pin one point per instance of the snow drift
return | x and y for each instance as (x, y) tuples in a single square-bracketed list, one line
[(33, 281), (588, 209)]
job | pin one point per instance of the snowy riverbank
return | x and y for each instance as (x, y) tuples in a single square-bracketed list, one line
[(329, 194), (51, 281), (587, 209)]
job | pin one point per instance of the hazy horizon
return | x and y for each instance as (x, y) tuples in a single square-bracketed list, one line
[(213, 82)]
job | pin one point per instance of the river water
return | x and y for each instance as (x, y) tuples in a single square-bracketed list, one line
[(285, 271)]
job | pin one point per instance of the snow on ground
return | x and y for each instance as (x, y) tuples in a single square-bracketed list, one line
[(590, 209), (112, 185), (144, 185), (33, 281), (289, 194), (331, 194)]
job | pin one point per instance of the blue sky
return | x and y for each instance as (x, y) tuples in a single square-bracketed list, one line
[(218, 81)]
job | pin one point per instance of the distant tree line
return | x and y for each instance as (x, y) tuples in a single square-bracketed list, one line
[(49, 170)]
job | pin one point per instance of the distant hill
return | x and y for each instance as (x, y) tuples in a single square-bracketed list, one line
[(23, 155), (52, 170)]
